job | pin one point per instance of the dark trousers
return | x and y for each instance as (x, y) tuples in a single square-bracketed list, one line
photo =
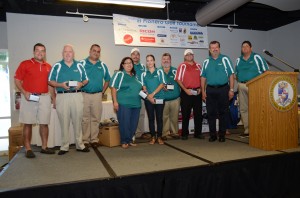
[(217, 105), (188, 103), (155, 111)]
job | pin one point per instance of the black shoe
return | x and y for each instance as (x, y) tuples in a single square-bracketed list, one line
[(94, 145), (47, 151), (201, 136), (29, 154), (184, 137), (212, 138), (61, 152), (221, 139), (85, 150), (87, 145)]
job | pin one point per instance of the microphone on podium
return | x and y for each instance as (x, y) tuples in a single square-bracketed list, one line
[(267, 52), (270, 54)]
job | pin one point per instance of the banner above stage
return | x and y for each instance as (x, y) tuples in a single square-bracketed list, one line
[(135, 31)]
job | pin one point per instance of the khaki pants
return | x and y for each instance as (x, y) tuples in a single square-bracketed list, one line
[(170, 116), (243, 101), (141, 124), (92, 110), (35, 112), (69, 107)]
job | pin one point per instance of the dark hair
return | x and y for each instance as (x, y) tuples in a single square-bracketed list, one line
[(40, 45), (215, 42), (167, 54), (121, 68), (95, 45), (150, 55), (247, 42)]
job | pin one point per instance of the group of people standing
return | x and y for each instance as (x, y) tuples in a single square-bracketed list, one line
[(75, 89)]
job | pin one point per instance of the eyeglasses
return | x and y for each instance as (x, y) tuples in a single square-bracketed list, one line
[(128, 63)]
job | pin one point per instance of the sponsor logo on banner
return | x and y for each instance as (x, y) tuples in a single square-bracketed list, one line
[(147, 39), (136, 31), (283, 93), (128, 38)]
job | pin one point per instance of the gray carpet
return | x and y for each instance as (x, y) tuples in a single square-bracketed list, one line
[(147, 158), (48, 169), (218, 152), (107, 162)]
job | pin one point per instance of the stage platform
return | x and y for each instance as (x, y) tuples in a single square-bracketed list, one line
[(192, 168)]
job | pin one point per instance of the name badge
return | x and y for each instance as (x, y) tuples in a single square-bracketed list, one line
[(72, 83), (194, 92), (170, 87), (34, 98), (159, 101), (143, 94)]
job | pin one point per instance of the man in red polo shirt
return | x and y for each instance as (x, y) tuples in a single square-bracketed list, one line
[(31, 78), (188, 78)]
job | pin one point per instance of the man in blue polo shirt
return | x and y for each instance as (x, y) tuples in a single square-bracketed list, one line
[(217, 71), (68, 77), (97, 72), (248, 66)]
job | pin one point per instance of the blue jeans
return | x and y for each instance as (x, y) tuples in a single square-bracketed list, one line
[(158, 109), (128, 120)]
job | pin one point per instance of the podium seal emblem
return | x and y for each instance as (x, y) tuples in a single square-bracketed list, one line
[(283, 93)]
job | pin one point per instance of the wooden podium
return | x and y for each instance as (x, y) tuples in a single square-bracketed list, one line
[(273, 111)]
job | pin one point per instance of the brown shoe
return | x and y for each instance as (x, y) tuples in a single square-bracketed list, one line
[(124, 146), (152, 141), (160, 141), (47, 151), (164, 138), (29, 154)]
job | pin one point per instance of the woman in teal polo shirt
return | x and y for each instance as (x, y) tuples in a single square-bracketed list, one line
[(125, 90), (153, 81)]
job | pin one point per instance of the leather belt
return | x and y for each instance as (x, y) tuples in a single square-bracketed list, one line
[(40, 94), (244, 81), (69, 91), (217, 86), (92, 92)]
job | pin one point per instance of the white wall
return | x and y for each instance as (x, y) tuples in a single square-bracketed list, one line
[(284, 43), (23, 31), (3, 35), (231, 41)]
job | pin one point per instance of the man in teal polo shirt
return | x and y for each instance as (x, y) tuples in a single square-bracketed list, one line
[(248, 66), (217, 71), (68, 76), (172, 99), (139, 69), (97, 73)]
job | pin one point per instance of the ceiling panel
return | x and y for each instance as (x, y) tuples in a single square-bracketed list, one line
[(253, 16)]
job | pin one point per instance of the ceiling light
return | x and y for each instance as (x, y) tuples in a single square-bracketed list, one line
[(142, 3), (85, 18)]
